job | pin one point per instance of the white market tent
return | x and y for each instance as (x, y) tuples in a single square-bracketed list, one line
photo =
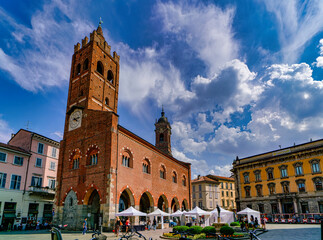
[(249, 212), (199, 212), (131, 212), (159, 213), (225, 215), (178, 213)]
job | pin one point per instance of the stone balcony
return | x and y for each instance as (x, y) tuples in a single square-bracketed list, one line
[(35, 190)]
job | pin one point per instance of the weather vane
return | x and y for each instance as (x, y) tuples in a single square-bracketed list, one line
[(100, 22)]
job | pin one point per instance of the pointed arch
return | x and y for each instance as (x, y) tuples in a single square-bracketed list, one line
[(126, 199), (184, 205), (162, 203), (100, 68)]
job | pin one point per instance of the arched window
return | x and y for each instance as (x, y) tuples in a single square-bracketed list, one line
[(245, 177), (110, 76), (75, 159), (106, 101), (259, 190), (257, 175), (318, 183), (76, 163), (301, 185), (315, 165), (92, 156), (126, 160), (161, 137), (146, 166), (174, 177), (247, 191), (298, 168), (78, 69), (86, 64), (283, 171), (270, 173), (184, 181), (99, 67), (162, 172), (285, 186), (271, 187)]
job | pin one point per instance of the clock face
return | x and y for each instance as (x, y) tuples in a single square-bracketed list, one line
[(75, 119)]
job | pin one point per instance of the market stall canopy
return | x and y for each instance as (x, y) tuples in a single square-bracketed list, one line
[(249, 212), (178, 213), (225, 215), (197, 212), (158, 212), (131, 212)]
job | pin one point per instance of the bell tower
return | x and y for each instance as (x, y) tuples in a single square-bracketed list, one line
[(94, 80), (163, 132)]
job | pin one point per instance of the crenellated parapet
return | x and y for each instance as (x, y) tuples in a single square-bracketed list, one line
[(97, 36)]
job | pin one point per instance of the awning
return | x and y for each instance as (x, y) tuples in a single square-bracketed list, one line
[(9, 215)]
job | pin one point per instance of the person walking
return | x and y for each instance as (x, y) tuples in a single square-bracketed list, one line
[(154, 223), (117, 226), (84, 226), (148, 224), (127, 225), (263, 223)]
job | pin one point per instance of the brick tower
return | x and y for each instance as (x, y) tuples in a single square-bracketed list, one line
[(87, 156), (163, 132)]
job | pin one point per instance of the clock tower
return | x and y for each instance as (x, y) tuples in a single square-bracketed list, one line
[(163, 132)]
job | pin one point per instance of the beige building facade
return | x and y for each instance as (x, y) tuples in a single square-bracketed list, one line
[(211, 190)]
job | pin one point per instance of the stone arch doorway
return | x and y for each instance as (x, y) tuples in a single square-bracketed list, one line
[(126, 200), (162, 203), (94, 210), (146, 204), (184, 205), (175, 205)]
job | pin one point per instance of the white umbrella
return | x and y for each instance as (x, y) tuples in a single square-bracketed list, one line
[(131, 212), (159, 212)]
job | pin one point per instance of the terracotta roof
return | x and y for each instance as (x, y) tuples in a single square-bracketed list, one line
[(204, 179), (220, 177), (14, 148)]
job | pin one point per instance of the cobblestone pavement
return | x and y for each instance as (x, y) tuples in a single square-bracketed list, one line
[(275, 232)]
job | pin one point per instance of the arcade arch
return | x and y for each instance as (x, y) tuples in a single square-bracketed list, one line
[(175, 204), (162, 203), (126, 200)]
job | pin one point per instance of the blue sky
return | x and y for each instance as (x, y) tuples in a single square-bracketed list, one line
[(236, 78)]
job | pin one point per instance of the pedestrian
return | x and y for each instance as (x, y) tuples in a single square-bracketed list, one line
[(84, 226), (117, 226), (127, 225), (148, 224), (256, 222), (263, 223), (37, 225), (252, 221), (154, 223)]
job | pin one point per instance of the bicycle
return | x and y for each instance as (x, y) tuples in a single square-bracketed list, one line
[(253, 235), (133, 234)]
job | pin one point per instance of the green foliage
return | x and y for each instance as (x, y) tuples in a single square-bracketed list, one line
[(238, 234), (208, 230), (225, 230), (180, 228), (199, 236), (235, 224), (195, 230), (226, 224)]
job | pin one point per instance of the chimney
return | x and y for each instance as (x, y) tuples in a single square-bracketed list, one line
[(198, 177)]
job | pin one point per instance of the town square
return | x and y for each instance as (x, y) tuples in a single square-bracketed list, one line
[(161, 119)]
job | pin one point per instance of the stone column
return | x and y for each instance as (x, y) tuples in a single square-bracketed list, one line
[(295, 205), (280, 206)]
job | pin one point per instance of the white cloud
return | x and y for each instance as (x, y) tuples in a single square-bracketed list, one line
[(202, 167), (319, 60), (204, 27), (5, 131), (299, 21), (46, 61)]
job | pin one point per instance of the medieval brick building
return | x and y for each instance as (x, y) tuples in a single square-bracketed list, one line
[(103, 167)]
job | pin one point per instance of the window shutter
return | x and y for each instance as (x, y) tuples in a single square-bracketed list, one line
[(18, 182)]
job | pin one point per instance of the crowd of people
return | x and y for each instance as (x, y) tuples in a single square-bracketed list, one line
[(252, 224)]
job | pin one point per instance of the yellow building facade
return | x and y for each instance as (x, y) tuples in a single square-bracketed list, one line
[(286, 181)]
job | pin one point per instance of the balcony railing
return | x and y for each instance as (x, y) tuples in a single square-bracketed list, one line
[(42, 190)]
